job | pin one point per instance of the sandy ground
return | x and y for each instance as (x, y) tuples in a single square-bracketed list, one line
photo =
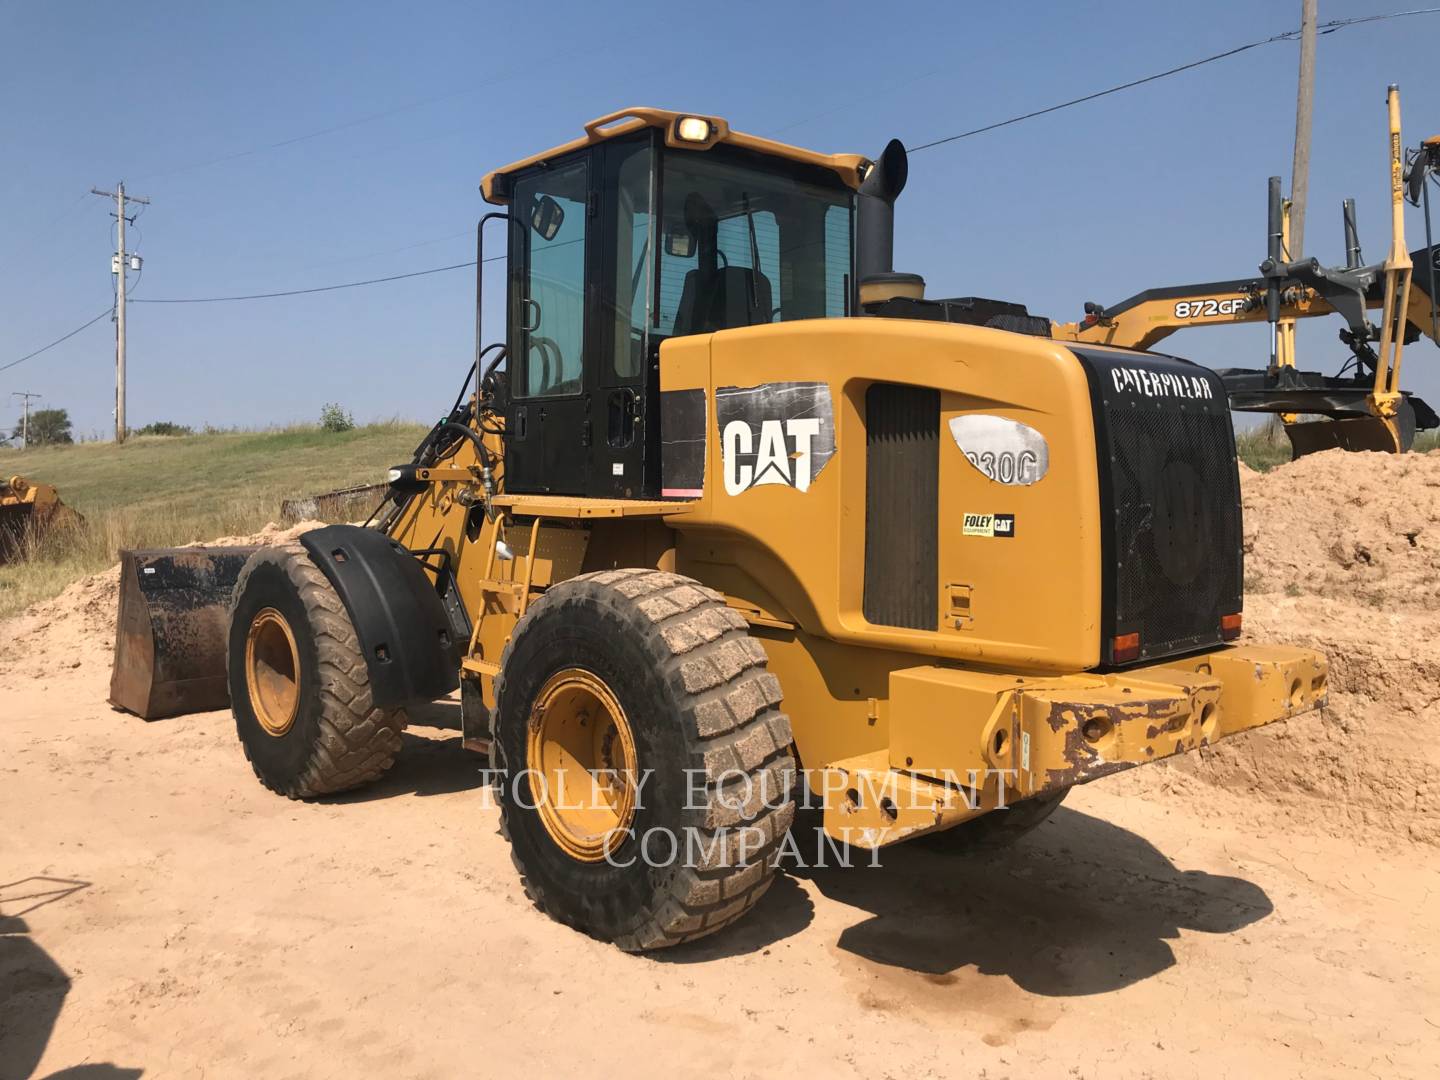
[(1271, 908)]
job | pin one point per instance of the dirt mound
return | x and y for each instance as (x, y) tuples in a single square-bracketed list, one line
[(1363, 528), (1342, 554), (77, 628)]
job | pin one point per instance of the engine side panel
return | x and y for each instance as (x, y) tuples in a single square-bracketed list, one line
[(779, 520)]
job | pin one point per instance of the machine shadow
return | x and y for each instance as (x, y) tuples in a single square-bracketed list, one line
[(33, 986), (1079, 907), (431, 761)]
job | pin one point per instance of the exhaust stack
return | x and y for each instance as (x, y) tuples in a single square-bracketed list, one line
[(875, 231)]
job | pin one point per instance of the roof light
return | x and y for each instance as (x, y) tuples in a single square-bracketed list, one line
[(693, 129)]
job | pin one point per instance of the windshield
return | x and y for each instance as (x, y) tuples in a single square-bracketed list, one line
[(742, 245)]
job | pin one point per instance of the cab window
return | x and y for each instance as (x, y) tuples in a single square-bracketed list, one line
[(741, 246), (549, 305)]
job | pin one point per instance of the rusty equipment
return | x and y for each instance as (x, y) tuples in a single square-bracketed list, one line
[(27, 511), (170, 630), (736, 462), (344, 503)]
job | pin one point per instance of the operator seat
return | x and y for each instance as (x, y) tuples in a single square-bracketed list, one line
[(722, 298), (717, 296)]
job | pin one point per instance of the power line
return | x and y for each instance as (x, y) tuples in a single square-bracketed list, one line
[(317, 289), (1289, 35), (1323, 28), (57, 341)]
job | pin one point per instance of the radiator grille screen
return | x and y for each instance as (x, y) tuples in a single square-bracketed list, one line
[(1170, 501), (902, 506)]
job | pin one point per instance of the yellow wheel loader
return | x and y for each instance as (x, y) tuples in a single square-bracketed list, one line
[(27, 511), (1360, 408), (733, 517)]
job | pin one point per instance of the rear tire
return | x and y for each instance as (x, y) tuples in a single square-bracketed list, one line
[(662, 663), (997, 829), (299, 688)]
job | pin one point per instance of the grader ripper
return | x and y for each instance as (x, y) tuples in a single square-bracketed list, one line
[(736, 463)]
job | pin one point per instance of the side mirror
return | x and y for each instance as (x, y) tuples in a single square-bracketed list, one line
[(546, 217), (679, 242)]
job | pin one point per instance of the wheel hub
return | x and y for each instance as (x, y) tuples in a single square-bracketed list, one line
[(272, 672), (581, 755)]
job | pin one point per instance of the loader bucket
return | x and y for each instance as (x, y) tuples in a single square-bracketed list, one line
[(171, 629)]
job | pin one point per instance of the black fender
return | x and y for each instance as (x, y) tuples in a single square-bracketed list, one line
[(400, 621)]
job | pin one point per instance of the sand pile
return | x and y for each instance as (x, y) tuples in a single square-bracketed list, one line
[(77, 628), (1342, 554), (1363, 528)]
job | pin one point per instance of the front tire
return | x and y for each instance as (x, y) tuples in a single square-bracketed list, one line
[(648, 681), (299, 688)]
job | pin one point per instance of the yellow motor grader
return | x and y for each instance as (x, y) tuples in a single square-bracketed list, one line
[(734, 515), (1362, 406)]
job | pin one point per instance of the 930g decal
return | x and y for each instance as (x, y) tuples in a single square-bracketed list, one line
[(1002, 449)]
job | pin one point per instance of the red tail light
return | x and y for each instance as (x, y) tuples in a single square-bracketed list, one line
[(1230, 627), (1124, 648)]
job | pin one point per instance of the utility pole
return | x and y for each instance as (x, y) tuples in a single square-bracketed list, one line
[(26, 398), (1304, 108), (120, 266)]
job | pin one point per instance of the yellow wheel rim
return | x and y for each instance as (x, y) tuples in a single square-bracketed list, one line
[(581, 755), (272, 672)]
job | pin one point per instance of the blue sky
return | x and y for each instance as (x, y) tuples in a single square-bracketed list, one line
[(1154, 186)]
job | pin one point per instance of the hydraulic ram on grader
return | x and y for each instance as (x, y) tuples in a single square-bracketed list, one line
[(744, 517)]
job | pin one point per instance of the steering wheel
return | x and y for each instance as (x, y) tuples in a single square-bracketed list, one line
[(547, 348)]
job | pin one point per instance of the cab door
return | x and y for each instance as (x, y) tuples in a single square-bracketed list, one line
[(627, 373), (549, 432)]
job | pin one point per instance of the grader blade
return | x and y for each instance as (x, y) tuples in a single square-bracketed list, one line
[(171, 630), (1348, 433)]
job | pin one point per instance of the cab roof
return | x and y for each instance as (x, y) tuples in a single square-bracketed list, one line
[(849, 167)]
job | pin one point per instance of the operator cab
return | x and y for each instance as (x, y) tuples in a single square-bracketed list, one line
[(653, 225)]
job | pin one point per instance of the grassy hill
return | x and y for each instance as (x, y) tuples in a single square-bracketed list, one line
[(157, 491)]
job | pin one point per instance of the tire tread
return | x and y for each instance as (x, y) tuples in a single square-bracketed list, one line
[(358, 742), (735, 729)]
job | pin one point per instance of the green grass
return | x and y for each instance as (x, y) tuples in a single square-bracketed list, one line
[(1263, 447), (159, 491)]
